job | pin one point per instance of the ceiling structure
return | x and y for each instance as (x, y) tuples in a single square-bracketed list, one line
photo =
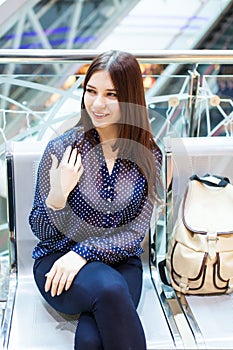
[(165, 24)]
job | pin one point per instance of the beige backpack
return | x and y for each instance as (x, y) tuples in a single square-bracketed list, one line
[(200, 254)]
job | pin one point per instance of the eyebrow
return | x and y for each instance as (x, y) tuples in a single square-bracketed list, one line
[(93, 87)]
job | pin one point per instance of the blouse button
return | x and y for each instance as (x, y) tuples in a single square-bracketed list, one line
[(109, 200), (109, 187), (108, 212)]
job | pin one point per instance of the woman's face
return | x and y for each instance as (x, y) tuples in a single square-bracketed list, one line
[(101, 100)]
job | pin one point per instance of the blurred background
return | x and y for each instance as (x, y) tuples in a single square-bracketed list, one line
[(36, 98)]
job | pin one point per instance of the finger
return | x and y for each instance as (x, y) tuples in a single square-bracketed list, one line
[(47, 284), (55, 284), (73, 157), (54, 162), (69, 280), (80, 172), (78, 163), (49, 279), (62, 284), (66, 155)]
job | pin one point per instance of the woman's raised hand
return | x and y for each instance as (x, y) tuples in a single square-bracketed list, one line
[(64, 177)]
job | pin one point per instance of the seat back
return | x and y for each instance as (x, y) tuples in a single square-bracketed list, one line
[(22, 163)]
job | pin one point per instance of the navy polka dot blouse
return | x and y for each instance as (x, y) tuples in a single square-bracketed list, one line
[(106, 215)]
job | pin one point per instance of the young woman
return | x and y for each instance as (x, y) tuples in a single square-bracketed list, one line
[(95, 193)]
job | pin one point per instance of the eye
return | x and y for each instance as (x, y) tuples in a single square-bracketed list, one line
[(90, 91), (112, 94)]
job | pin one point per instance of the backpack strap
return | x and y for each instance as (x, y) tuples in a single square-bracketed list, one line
[(162, 272)]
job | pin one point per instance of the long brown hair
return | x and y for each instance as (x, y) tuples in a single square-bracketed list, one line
[(126, 76)]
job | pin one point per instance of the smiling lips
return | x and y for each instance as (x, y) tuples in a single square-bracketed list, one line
[(100, 115)]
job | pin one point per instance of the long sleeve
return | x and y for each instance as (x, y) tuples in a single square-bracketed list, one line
[(46, 223), (49, 226)]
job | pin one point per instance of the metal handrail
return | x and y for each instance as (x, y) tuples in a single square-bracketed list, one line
[(152, 56)]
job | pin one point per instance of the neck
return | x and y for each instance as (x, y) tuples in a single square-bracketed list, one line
[(108, 133)]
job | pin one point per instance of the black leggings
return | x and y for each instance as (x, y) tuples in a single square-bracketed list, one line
[(107, 297)]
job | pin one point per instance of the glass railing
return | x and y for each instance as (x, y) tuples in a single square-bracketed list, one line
[(190, 91)]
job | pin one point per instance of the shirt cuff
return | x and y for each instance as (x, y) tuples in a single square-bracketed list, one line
[(52, 207), (85, 252)]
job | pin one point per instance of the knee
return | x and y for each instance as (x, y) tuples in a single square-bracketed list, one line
[(103, 284), (87, 342), (113, 292)]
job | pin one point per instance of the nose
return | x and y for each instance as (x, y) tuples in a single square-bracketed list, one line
[(100, 101)]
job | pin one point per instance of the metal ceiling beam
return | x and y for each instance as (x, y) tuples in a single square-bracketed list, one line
[(11, 14), (74, 23)]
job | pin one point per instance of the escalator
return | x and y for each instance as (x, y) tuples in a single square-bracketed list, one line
[(205, 80), (49, 24), (59, 24)]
